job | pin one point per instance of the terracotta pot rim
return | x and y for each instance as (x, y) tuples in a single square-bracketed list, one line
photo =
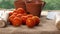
[(35, 2)]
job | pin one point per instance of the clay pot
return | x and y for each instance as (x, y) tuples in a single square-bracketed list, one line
[(35, 8), (19, 4), (33, 0)]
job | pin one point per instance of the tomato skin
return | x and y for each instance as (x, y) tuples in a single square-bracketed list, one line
[(11, 18), (14, 14), (10, 13), (19, 15), (30, 22), (37, 19), (16, 22), (15, 11), (24, 18), (25, 14), (29, 15), (20, 11)]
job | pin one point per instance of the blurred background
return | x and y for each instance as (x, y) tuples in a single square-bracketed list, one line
[(50, 4)]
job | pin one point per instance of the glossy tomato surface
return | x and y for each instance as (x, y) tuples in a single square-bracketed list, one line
[(30, 22), (17, 21)]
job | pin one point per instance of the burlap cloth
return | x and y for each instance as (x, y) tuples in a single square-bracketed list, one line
[(45, 27)]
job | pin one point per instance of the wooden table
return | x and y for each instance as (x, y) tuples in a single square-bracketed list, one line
[(45, 27)]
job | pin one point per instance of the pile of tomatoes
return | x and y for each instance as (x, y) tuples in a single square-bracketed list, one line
[(19, 17)]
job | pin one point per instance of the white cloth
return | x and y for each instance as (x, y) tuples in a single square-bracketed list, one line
[(52, 15), (4, 14)]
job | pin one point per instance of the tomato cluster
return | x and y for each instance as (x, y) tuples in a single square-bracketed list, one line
[(19, 16)]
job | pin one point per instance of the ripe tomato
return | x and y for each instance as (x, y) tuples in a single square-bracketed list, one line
[(29, 15), (19, 15), (14, 14), (15, 11), (20, 10), (17, 21), (25, 14), (11, 18), (37, 19), (30, 22), (24, 18), (10, 13)]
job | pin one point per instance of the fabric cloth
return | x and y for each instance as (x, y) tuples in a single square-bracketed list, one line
[(52, 14)]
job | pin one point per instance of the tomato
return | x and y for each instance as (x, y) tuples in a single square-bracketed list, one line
[(25, 14), (19, 15), (37, 19), (17, 21), (14, 14), (11, 18), (30, 22), (29, 15), (24, 18), (15, 11), (10, 13), (20, 10)]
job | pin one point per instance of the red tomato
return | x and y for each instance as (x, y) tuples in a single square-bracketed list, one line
[(14, 14), (10, 13), (24, 14), (20, 11), (24, 18), (30, 22), (37, 19), (29, 15), (17, 21), (19, 15), (11, 18), (15, 11)]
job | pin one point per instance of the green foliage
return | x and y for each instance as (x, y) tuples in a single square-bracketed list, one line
[(7, 4), (50, 4)]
